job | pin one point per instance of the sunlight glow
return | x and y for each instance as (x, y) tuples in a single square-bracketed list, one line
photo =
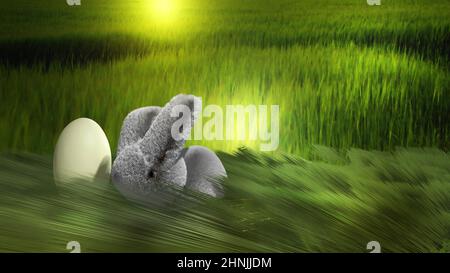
[(164, 10), (163, 6)]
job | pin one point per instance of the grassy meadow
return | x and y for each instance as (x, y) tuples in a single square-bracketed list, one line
[(337, 203), (344, 74), (349, 79)]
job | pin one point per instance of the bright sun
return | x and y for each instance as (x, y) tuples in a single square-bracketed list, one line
[(163, 8)]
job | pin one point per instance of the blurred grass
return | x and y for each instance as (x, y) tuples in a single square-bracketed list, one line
[(417, 26), (344, 74), (336, 203), (340, 97)]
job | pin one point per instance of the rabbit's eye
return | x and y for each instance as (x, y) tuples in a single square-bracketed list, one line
[(151, 174)]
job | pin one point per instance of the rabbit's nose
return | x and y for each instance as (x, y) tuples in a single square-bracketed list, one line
[(151, 174)]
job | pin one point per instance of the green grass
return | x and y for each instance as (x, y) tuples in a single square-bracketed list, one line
[(337, 203), (346, 76), (327, 95)]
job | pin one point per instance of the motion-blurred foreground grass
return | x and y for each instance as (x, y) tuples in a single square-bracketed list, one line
[(344, 74), (338, 202)]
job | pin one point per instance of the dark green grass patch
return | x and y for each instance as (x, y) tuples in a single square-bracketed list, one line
[(51, 31), (282, 204), (334, 96), (344, 74)]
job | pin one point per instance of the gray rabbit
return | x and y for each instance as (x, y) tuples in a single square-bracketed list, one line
[(151, 163)]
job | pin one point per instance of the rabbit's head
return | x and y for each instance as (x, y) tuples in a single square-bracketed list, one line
[(149, 159)]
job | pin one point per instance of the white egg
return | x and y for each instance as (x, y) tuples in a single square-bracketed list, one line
[(82, 152)]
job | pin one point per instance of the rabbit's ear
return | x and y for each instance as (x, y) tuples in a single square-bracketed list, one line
[(163, 142), (136, 125)]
